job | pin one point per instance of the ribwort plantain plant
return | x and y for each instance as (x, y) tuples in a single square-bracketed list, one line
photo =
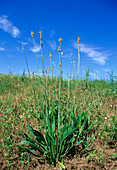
[(59, 132)]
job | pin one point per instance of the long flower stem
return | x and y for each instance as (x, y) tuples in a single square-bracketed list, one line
[(36, 56), (42, 61), (78, 66), (26, 63)]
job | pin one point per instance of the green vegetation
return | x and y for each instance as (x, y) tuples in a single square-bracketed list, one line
[(52, 118)]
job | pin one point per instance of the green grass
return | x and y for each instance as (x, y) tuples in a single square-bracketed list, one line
[(92, 115)]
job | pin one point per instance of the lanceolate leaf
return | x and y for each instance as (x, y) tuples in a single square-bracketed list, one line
[(34, 146)]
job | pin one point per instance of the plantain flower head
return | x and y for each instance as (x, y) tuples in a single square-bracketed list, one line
[(22, 48), (40, 35), (60, 40), (61, 53), (50, 55), (32, 34), (71, 54), (78, 40), (79, 49), (59, 49), (41, 44)]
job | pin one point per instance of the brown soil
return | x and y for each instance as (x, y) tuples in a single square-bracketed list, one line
[(72, 162)]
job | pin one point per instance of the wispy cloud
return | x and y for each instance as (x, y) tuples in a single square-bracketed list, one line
[(97, 56), (8, 27), (52, 44), (38, 48), (23, 43), (2, 48), (17, 48)]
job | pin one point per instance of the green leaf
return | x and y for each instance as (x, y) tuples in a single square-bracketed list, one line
[(25, 150), (34, 146), (61, 164), (37, 135)]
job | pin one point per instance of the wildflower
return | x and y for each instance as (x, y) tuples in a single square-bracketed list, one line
[(53, 62), (79, 49), (61, 53), (71, 62), (74, 62), (40, 35), (66, 94), (60, 64), (65, 101), (50, 55), (59, 49), (41, 44), (60, 40), (78, 40), (21, 116), (111, 105), (105, 118), (100, 104), (1, 115), (32, 34), (52, 69), (71, 54)]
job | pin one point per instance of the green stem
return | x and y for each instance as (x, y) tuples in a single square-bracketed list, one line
[(27, 64), (42, 61), (36, 56)]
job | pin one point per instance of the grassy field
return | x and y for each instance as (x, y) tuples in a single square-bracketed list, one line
[(90, 110), (50, 123)]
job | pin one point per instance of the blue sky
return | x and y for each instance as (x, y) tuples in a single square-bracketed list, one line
[(95, 22)]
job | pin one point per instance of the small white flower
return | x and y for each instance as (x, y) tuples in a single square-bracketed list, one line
[(105, 118), (21, 116), (111, 105), (100, 104), (28, 116)]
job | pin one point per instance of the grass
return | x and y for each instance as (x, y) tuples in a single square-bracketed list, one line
[(57, 120)]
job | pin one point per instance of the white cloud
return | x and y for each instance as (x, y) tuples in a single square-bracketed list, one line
[(8, 27), (97, 56), (2, 48), (23, 43), (38, 48), (52, 44), (94, 75)]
